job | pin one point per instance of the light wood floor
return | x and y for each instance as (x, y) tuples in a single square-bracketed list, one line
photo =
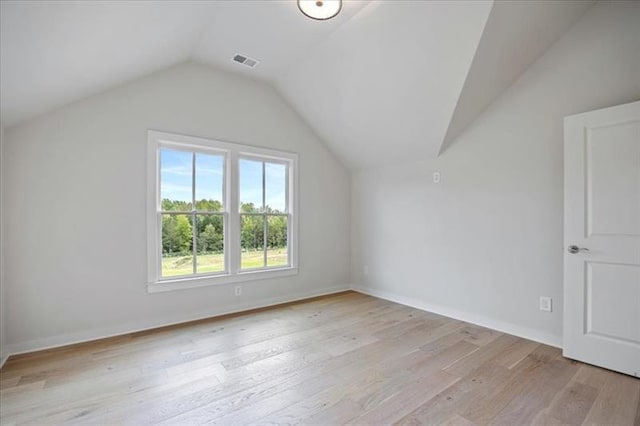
[(347, 358)]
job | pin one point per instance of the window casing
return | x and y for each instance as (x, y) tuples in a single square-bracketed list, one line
[(242, 241)]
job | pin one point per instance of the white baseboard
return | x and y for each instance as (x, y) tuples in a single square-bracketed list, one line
[(89, 335), (3, 359), (481, 320)]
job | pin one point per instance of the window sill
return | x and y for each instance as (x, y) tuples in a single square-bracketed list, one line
[(184, 283)]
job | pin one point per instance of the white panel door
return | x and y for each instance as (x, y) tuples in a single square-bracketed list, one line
[(602, 238)]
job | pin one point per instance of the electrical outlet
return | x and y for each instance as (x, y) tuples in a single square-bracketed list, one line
[(238, 290), (365, 270), (436, 177), (545, 304)]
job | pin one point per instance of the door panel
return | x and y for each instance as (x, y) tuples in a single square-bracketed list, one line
[(609, 285), (602, 218), (613, 180)]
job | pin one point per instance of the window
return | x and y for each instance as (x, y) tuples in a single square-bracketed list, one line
[(191, 212), (218, 212), (264, 214)]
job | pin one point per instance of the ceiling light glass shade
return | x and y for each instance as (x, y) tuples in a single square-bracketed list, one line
[(320, 9)]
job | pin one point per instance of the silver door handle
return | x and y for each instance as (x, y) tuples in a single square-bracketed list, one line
[(576, 249)]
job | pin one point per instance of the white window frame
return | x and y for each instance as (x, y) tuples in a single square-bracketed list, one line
[(232, 153)]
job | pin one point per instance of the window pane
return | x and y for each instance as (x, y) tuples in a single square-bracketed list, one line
[(177, 244), (250, 186), (209, 174), (252, 241), (276, 188), (175, 179), (277, 254), (209, 243)]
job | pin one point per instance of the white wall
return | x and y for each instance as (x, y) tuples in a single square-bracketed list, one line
[(3, 300), (75, 206), (487, 241)]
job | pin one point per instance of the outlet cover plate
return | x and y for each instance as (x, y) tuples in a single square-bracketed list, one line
[(545, 304)]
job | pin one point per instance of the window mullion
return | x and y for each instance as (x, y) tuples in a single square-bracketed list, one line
[(289, 220), (264, 217), (233, 245), (264, 238), (194, 225), (287, 206)]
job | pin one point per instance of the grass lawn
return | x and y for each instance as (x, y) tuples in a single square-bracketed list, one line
[(183, 265)]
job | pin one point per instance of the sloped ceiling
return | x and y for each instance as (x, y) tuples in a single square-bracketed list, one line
[(383, 81), (53, 53), (516, 34)]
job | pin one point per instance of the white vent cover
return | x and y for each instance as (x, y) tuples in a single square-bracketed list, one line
[(245, 60)]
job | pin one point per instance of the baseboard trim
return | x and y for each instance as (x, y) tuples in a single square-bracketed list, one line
[(91, 335), (3, 359), (481, 320)]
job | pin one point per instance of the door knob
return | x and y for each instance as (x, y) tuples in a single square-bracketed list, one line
[(576, 249)]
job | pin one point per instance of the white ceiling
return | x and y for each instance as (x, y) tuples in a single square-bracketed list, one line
[(383, 81), (274, 32)]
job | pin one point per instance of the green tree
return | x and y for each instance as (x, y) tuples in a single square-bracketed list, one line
[(185, 233), (177, 230), (175, 205), (209, 205), (177, 234), (277, 232), (249, 208), (252, 236), (210, 240)]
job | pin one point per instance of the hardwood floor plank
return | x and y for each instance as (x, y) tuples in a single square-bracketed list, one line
[(501, 395), (534, 396), (457, 420), (411, 396), (22, 388), (570, 406), (467, 333), (303, 410), (9, 382), (336, 414), (516, 353), (470, 363), (347, 342), (616, 398), (481, 394), (375, 387), (421, 362)]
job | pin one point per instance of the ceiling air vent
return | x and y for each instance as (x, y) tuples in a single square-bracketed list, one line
[(248, 62)]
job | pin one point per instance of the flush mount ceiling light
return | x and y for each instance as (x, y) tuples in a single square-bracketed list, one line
[(320, 9)]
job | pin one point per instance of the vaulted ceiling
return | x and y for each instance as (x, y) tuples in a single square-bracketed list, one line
[(383, 81)]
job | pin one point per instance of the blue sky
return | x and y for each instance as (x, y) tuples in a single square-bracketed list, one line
[(175, 175)]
